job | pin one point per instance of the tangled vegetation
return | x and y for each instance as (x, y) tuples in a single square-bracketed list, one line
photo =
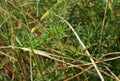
[(59, 40)]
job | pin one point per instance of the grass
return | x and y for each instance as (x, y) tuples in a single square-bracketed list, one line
[(59, 40)]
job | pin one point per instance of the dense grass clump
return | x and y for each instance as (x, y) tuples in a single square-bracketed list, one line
[(59, 40)]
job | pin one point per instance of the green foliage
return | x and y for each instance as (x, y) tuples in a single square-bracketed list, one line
[(33, 24)]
